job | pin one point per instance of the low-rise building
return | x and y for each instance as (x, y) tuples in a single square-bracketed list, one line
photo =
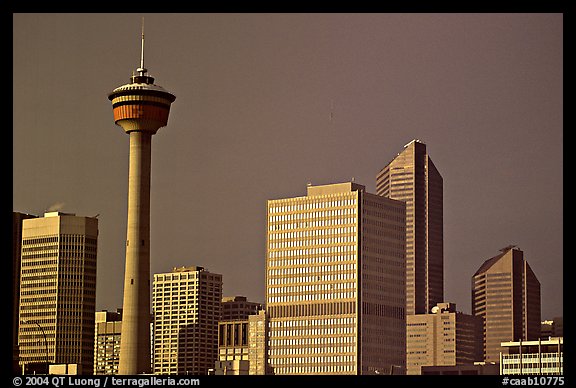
[(541, 357)]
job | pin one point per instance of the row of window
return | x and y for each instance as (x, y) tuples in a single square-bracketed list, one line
[(313, 288), (292, 206), (311, 253), (321, 277), (328, 222), (312, 297)]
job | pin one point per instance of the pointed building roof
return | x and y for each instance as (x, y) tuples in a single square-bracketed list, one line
[(490, 262)]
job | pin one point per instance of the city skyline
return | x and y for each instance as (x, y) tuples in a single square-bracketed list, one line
[(268, 103)]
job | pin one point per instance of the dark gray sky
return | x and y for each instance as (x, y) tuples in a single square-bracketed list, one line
[(269, 102)]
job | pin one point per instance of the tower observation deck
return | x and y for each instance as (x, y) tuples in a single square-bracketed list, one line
[(140, 108)]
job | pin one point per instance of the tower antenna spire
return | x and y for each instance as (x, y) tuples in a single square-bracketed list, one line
[(142, 69)]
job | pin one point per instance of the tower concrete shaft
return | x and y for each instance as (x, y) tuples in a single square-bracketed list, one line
[(135, 339), (140, 108)]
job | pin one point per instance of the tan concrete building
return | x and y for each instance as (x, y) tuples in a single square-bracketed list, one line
[(506, 295), (107, 342), (335, 282), (186, 306), (412, 177), (58, 290), (443, 338), (243, 340), (233, 340)]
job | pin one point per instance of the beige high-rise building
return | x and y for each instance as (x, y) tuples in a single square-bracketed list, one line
[(107, 342), (443, 338), (17, 219), (412, 177), (335, 282), (58, 290), (506, 295), (186, 307)]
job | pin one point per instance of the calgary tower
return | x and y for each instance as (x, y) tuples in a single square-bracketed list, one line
[(140, 108)]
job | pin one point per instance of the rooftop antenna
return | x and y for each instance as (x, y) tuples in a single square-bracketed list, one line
[(142, 69)]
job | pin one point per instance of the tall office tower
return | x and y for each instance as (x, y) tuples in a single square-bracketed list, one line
[(443, 338), (412, 177), (258, 343), (238, 307), (17, 219), (58, 290), (335, 282), (140, 108), (186, 306), (506, 294), (107, 342)]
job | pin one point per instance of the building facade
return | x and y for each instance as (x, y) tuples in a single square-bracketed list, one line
[(541, 357), (552, 328), (506, 295), (238, 307), (107, 342), (186, 306), (58, 290), (443, 338), (412, 177), (233, 340), (17, 219), (335, 282), (258, 343)]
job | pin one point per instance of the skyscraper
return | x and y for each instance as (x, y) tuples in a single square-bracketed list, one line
[(140, 108), (445, 337), (335, 282), (58, 290), (506, 295), (17, 219), (186, 308), (412, 177)]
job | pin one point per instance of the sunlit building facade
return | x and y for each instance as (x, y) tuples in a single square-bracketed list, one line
[(108, 332), (186, 305), (541, 357), (445, 337), (335, 282), (58, 290)]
